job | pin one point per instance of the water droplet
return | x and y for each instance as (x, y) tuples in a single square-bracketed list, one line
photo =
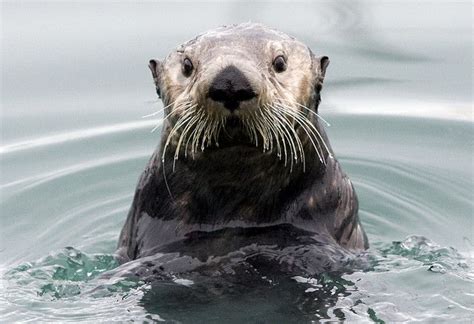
[(438, 268)]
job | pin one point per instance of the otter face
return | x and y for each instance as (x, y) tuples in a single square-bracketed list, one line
[(242, 83)]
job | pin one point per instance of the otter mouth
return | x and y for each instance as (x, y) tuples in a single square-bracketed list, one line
[(234, 133), (233, 126)]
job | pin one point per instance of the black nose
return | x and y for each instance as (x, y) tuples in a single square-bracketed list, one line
[(231, 87)]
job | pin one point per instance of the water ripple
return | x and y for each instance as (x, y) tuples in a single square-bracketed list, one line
[(37, 180), (83, 201), (77, 135)]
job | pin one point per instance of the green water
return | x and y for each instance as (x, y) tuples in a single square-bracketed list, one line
[(73, 143)]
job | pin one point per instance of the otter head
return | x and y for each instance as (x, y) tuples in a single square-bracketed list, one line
[(242, 84)]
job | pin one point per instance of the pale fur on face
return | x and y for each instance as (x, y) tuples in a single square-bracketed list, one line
[(276, 120)]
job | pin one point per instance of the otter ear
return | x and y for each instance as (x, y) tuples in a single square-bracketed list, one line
[(320, 65), (156, 68), (323, 63)]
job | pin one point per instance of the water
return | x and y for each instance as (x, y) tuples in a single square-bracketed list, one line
[(398, 97)]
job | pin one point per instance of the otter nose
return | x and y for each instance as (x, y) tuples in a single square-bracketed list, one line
[(231, 87)]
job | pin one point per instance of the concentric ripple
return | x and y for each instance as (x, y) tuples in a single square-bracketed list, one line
[(414, 183)]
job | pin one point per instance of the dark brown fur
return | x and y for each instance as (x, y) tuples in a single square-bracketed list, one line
[(240, 187)]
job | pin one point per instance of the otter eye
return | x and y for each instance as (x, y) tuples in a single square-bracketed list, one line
[(187, 67), (279, 64)]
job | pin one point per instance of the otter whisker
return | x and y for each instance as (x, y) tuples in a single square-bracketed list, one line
[(261, 130), (273, 129), (268, 130), (287, 136), (316, 145), (264, 121), (201, 127), (254, 129), (183, 106), (188, 113), (291, 127), (215, 130), (219, 123), (251, 129), (182, 121), (312, 126), (176, 154), (308, 123), (246, 125), (206, 135), (158, 111), (292, 134), (163, 119), (221, 126), (176, 109), (155, 128), (182, 137), (193, 134), (278, 126), (307, 127), (308, 109), (300, 147), (204, 131), (301, 122), (166, 181), (304, 123), (257, 129)]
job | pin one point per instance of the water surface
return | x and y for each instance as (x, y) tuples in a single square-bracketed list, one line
[(73, 143)]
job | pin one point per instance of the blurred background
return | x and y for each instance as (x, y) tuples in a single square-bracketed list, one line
[(398, 93), (87, 58)]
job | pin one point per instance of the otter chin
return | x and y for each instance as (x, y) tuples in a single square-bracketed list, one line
[(243, 159)]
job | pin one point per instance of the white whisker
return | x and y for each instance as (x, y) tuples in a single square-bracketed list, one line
[(269, 121), (292, 135), (186, 115), (308, 109), (182, 137), (311, 126), (158, 111), (302, 123), (193, 134), (278, 126), (286, 134)]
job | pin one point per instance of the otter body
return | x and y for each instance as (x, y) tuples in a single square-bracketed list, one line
[(243, 159)]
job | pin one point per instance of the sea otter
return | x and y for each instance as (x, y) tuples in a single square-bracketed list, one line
[(244, 159)]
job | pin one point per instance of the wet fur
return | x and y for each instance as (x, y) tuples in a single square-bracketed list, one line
[(232, 189)]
